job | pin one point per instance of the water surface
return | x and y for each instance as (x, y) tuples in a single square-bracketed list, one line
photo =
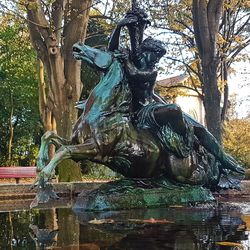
[(163, 228)]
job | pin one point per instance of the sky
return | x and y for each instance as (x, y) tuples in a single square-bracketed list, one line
[(239, 84)]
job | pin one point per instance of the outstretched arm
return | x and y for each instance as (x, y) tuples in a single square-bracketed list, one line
[(115, 37), (114, 40)]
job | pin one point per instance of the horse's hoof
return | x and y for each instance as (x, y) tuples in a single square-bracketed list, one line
[(45, 193), (240, 169), (34, 184)]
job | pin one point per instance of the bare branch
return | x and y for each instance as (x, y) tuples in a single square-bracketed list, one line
[(14, 13), (106, 7), (243, 26), (185, 25), (236, 52), (190, 75), (96, 34), (185, 64), (178, 86), (101, 17), (37, 15)]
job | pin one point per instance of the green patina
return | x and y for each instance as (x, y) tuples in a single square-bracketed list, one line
[(127, 127), (139, 193)]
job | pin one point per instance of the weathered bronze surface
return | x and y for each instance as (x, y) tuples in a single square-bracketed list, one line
[(132, 130)]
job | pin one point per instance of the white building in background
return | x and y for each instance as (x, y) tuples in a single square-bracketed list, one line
[(190, 103), (239, 85)]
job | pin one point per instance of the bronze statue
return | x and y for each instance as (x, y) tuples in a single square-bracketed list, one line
[(132, 130)]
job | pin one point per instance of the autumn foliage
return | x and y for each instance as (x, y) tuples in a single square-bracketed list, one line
[(237, 140)]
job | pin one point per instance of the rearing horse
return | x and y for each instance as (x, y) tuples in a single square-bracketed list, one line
[(106, 133)]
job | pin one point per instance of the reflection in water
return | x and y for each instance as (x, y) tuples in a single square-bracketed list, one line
[(193, 229), (42, 237), (64, 229)]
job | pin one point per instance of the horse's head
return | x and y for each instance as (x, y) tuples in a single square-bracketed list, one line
[(94, 57)]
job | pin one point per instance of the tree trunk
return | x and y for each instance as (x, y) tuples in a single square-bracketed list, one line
[(212, 97), (59, 112), (48, 119), (63, 93), (53, 31), (206, 16), (11, 129), (224, 78)]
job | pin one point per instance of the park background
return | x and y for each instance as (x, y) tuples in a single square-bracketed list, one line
[(40, 82)]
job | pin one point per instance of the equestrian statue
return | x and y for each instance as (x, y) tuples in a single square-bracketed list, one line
[(132, 130)]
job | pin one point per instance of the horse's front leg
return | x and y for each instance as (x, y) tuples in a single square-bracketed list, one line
[(76, 152), (48, 138)]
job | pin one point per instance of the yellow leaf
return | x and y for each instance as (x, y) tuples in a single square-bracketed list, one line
[(102, 221), (176, 206), (246, 219), (151, 220), (230, 244)]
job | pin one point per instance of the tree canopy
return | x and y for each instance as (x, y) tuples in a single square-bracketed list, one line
[(19, 116)]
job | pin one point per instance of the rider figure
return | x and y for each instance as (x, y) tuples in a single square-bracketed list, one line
[(141, 76)]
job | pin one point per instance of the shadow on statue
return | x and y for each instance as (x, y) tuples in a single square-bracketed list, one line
[(166, 156)]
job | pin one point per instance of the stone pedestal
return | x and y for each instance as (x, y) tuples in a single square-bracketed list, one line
[(140, 193)]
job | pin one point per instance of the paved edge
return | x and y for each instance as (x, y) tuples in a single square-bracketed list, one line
[(70, 190), (63, 189)]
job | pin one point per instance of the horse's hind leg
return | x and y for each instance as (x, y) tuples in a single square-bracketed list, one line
[(211, 145), (76, 152), (48, 138)]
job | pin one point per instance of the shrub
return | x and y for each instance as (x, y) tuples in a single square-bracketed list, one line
[(236, 140)]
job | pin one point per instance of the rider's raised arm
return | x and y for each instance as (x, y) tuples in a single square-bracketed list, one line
[(114, 40), (115, 37)]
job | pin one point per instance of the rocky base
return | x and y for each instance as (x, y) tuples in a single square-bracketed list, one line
[(141, 193)]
